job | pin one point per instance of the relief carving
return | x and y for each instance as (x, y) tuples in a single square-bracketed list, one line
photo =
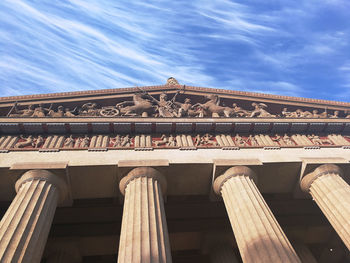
[(169, 141), (21, 113), (182, 141), (252, 141), (139, 106), (260, 111), (144, 104), (316, 140), (212, 108), (240, 141), (69, 142), (24, 142), (205, 140)]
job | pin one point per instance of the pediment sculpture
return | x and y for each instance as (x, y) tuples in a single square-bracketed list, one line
[(143, 104)]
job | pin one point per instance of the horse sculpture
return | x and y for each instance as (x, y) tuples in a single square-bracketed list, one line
[(212, 107), (142, 106)]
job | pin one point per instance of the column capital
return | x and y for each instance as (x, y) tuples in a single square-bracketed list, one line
[(232, 172), (321, 170), (44, 175), (143, 172)]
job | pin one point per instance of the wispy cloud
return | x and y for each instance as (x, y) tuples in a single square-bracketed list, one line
[(96, 44)]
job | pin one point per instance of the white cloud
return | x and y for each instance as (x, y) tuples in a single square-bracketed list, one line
[(97, 44)]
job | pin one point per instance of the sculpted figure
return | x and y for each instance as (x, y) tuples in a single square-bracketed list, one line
[(171, 141), (205, 140), (287, 140), (117, 141), (212, 107), (163, 141), (78, 142), (58, 113), (259, 111), (347, 115), (126, 141), (323, 114), (167, 141), (252, 141), (89, 109), (29, 141), (315, 139), (185, 109), (69, 142), (292, 114), (40, 111), (288, 114), (277, 139), (85, 142), (305, 114), (39, 141), (197, 140), (69, 113), (240, 141), (315, 114), (238, 111), (165, 108), (140, 106), (335, 115), (22, 113)]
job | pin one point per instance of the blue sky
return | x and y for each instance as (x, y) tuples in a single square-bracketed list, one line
[(297, 48)]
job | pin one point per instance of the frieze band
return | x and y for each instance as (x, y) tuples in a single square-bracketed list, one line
[(182, 141)]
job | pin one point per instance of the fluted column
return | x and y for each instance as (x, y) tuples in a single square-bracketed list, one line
[(332, 194), (26, 224), (223, 254), (259, 237), (144, 234)]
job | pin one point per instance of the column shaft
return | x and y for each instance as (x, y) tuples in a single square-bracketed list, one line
[(26, 224), (259, 236), (144, 234), (332, 194)]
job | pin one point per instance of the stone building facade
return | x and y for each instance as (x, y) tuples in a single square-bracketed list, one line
[(173, 173)]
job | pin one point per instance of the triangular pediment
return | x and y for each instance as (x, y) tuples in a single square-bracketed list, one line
[(178, 101), (170, 116)]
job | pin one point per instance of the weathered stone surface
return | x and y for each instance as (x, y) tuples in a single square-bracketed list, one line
[(259, 236), (332, 194), (26, 224), (144, 234)]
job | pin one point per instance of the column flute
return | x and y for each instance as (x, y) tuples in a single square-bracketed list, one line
[(26, 224), (332, 194), (144, 234), (259, 237)]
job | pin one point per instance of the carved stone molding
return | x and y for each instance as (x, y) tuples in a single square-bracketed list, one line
[(183, 141)]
